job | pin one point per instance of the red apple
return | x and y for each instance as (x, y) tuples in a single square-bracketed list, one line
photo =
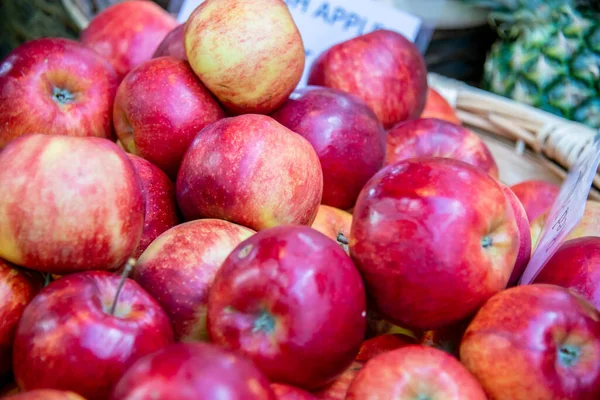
[(160, 107), (249, 53), (381, 344), (383, 68), (17, 289), (575, 265), (69, 204), (338, 389), (524, 236), (346, 135), (333, 223), (434, 238), (55, 86), (285, 392), (535, 342), (438, 107), (250, 170), (193, 371), (69, 333), (536, 196), (438, 138), (415, 372), (46, 394), (172, 45), (128, 33), (179, 267), (159, 195), (291, 300)]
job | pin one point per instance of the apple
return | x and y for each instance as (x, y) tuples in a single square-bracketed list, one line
[(434, 238), (55, 86), (415, 372), (537, 196), (524, 236), (249, 53), (380, 344), (291, 300), (172, 45), (128, 33), (338, 389), (438, 138), (46, 394), (535, 342), (193, 371), (346, 135), (178, 269), (438, 107), (383, 68), (159, 195), (334, 223), (286, 392), (159, 109), (576, 266), (17, 289), (250, 170), (69, 204)]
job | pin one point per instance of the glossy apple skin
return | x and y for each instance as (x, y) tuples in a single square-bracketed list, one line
[(66, 334), (291, 300), (383, 68), (159, 109), (250, 170), (524, 354), (128, 33), (576, 266), (231, 47), (29, 77), (438, 107), (159, 195), (345, 133), (524, 236), (380, 344), (286, 392), (172, 45), (193, 371), (17, 289), (179, 267), (415, 372), (536, 196), (438, 138), (76, 203), (332, 221), (434, 238), (46, 394), (338, 389)]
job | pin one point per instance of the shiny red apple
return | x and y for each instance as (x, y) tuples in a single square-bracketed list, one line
[(524, 236), (438, 107), (172, 45), (380, 344), (537, 196), (338, 389)]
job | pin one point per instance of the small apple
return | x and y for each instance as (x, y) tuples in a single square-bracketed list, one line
[(437, 106), (55, 86), (333, 223), (524, 236), (338, 389), (45, 394), (286, 392), (172, 45), (537, 196), (381, 344)]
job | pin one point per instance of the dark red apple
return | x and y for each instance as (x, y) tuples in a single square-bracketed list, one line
[(536, 196), (380, 344), (55, 86), (437, 106), (338, 389), (193, 371), (286, 392), (160, 108), (71, 338), (524, 236), (291, 300), (172, 45), (346, 135), (383, 68), (46, 394)]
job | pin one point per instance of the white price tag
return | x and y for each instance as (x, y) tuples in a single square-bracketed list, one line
[(567, 210)]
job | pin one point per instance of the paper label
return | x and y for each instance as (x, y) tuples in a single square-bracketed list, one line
[(323, 23), (567, 210)]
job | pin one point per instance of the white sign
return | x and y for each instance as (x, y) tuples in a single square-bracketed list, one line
[(323, 23), (567, 210)]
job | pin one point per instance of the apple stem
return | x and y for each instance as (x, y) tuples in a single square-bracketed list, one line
[(126, 271), (343, 241)]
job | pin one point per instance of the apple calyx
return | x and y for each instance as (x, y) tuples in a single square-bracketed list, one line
[(343, 241), (487, 242), (126, 271), (265, 323), (62, 96), (568, 355)]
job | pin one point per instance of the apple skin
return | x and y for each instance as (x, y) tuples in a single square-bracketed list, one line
[(434, 238), (437, 138), (159, 195), (415, 372), (338, 389), (381, 344), (17, 288), (524, 236), (576, 266), (286, 392), (128, 33), (159, 109), (346, 135), (173, 45), (332, 221), (438, 107), (55, 86), (179, 267), (193, 371), (46, 394), (291, 300), (233, 49), (66, 334), (536, 196), (76, 203), (522, 345), (250, 170), (383, 68)]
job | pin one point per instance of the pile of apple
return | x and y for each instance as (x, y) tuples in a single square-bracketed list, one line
[(178, 221)]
